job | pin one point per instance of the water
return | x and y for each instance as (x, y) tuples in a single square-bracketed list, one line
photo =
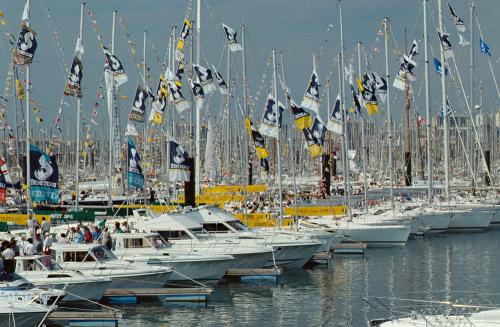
[(446, 266)]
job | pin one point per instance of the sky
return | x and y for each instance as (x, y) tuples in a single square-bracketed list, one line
[(297, 29)]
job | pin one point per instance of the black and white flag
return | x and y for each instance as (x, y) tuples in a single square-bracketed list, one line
[(26, 46), (220, 81), (179, 170), (270, 125), (205, 78), (138, 105), (444, 38), (198, 93), (113, 69), (181, 104), (311, 97), (406, 68), (73, 85), (335, 120), (232, 43)]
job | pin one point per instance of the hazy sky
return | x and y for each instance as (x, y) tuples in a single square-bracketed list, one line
[(297, 28)]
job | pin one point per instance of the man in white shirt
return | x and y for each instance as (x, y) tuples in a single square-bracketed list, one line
[(63, 239), (29, 247), (47, 243), (45, 226), (8, 259)]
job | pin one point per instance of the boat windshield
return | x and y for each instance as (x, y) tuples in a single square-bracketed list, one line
[(102, 254), (157, 242), (46, 263), (236, 224)]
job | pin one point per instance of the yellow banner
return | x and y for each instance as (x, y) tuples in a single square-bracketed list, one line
[(317, 211), (257, 188), (262, 220), (20, 218), (214, 198)]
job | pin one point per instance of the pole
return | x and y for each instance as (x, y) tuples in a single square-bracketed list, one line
[(172, 62), (363, 142), (228, 117), (110, 168), (144, 72), (278, 141), (245, 100), (28, 91), (191, 113), (471, 81), (198, 109), (78, 114), (430, 178), (389, 120), (444, 109)]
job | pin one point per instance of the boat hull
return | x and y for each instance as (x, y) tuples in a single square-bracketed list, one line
[(25, 319), (383, 236), (80, 291), (470, 221), (293, 256), (198, 270), (434, 223)]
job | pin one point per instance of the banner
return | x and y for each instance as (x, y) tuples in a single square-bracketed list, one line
[(73, 85), (135, 175), (317, 211), (257, 188), (139, 105), (178, 171), (44, 177), (26, 46)]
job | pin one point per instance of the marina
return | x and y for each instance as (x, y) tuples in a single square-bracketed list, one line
[(202, 164)]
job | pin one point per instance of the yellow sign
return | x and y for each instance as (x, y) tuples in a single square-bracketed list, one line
[(215, 198), (262, 220), (20, 218), (257, 188), (317, 211)]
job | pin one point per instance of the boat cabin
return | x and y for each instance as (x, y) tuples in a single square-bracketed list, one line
[(67, 253), (38, 263), (215, 220), (124, 241)]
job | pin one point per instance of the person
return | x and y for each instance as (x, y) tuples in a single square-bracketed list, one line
[(14, 247), (63, 239), (117, 228), (96, 234), (45, 226), (87, 235), (29, 247), (8, 258), (47, 243), (32, 225), (38, 244), (106, 239), (78, 236), (125, 227)]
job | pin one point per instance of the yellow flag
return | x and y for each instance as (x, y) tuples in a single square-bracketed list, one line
[(124, 97), (315, 150), (303, 122), (248, 125), (19, 89), (261, 152), (371, 108), (157, 118)]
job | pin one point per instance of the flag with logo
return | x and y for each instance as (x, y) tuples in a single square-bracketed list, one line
[(181, 104), (269, 125), (135, 176), (205, 78), (313, 145), (335, 120), (301, 117), (73, 85), (406, 68), (484, 47), (198, 92), (438, 67), (232, 42), (311, 97), (44, 179), (318, 130), (444, 38), (257, 139), (178, 171), (220, 81), (113, 69), (138, 105), (26, 42)]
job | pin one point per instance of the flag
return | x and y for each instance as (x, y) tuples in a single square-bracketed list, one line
[(367, 90), (135, 177), (484, 48), (444, 38), (269, 125), (406, 68), (232, 43), (312, 144), (3, 189), (138, 105), (311, 97), (222, 85), (462, 41), (264, 163), (198, 93), (131, 130), (179, 171), (459, 23), (380, 85), (44, 179), (355, 101), (73, 85), (113, 70), (335, 120), (257, 139), (19, 89), (438, 67), (26, 46), (4, 171), (318, 130), (205, 78), (155, 117), (186, 27), (181, 104), (301, 117), (420, 120)]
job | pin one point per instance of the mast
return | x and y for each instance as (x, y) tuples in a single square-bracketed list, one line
[(172, 63), (228, 117), (407, 145), (278, 141), (145, 135), (345, 145), (363, 145), (245, 101), (110, 168), (198, 109), (430, 178), (389, 120), (444, 109), (27, 122), (78, 114), (471, 66)]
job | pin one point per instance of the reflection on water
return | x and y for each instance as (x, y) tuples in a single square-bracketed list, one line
[(440, 267)]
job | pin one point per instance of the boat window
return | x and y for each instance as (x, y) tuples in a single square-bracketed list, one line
[(46, 263), (101, 254), (157, 241), (135, 243), (215, 228), (236, 224), (29, 265), (174, 235), (77, 256), (58, 276)]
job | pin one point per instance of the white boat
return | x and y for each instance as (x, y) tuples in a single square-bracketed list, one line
[(42, 271), (291, 249), (96, 261), (150, 248), (15, 285), (186, 234), (15, 313)]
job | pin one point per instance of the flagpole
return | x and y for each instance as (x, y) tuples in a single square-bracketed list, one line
[(28, 91), (172, 62), (389, 120), (444, 109), (344, 114), (363, 145), (145, 130), (471, 81), (278, 141), (110, 168), (228, 117), (198, 109), (78, 114), (430, 178), (245, 100)]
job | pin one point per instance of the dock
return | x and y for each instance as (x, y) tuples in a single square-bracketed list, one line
[(134, 295), (321, 258), (349, 248), (252, 275), (85, 318)]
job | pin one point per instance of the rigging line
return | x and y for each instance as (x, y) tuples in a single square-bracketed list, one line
[(55, 39)]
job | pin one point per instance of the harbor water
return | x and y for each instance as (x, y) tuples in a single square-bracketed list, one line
[(457, 267)]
